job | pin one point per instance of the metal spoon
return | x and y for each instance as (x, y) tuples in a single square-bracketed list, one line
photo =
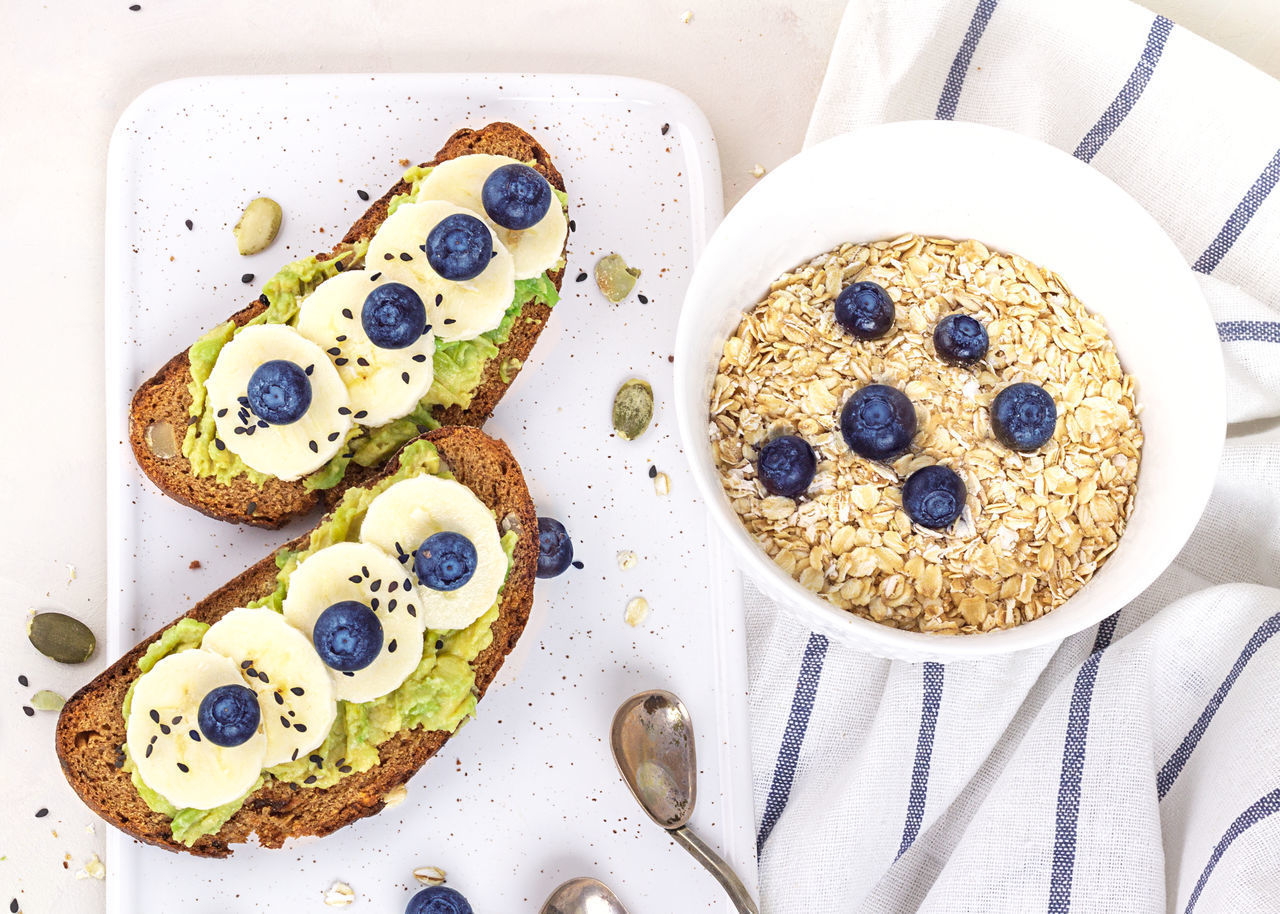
[(652, 739), (583, 895)]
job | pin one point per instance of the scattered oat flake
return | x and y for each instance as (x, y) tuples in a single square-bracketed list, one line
[(627, 560), (395, 796), (93, 869), (429, 875), (339, 895), (637, 610), (686, 17), (758, 171), (662, 483), (72, 574)]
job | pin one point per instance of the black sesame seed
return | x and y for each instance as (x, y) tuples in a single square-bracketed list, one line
[(362, 361), (333, 436), (301, 728), (346, 312), (316, 760), (311, 368), (294, 757), (279, 698), (375, 277), (252, 673), (373, 604), (374, 585), (439, 299), (177, 720), (190, 225), (339, 265), (238, 430), (340, 361), (413, 612), (361, 415), (192, 420), (334, 351), (582, 277), (407, 583), (449, 320), (573, 226), (147, 754), (22, 681), (133, 9), (392, 586), (665, 128), (195, 735), (578, 565), (262, 423), (315, 448), (426, 329), (643, 299), (246, 278), (344, 411), (345, 769), (217, 442), (391, 648), (310, 780), (349, 454), (404, 376), (243, 401), (222, 412), (653, 471), (155, 716), (347, 673), (439, 645), (420, 357), (405, 255), (263, 298), (284, 722), (245, 664), (342, 339), (164, 728), (183, 768), (362, 194), (41, 812), (354, 579), (388, 256), (262, 677), (391, 605)]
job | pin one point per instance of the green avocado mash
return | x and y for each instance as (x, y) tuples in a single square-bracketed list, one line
[(438, 695), (458, 366)]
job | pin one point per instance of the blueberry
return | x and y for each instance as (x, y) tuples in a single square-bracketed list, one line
[(933, 496), (348, 636), (555, 549), (865, 310), (960, 340), (1023, 416), (516, 197), (393, 316), (786, 466), (229, 715), (878, 422), (279, 392), (438, 899), (445, 561), (459, 247)]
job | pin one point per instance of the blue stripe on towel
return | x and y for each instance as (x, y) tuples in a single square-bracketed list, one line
[(1132, 90), (1255, 331), (1172, 768), (1064, 839), (929, 704), (960, 66), (1267, 805), (1217, 249), (784, 771)]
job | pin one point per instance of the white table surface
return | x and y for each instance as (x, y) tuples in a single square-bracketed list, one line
[(67, 71)]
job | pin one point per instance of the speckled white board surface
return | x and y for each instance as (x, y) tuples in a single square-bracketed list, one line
[(526, 795)]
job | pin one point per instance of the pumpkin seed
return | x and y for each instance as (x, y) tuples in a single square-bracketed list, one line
[(615, 278), (44, 700), (258, 225), (632, 409), (60, 637)]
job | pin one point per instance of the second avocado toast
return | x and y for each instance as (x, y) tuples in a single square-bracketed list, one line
[(173, 428), (373, 745)]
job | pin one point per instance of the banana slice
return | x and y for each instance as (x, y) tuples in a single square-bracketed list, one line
[(165, 740), (457, 310), (278, 662), (278, 402), (401, 518), (384, 381), (461, 181), (365, 574)]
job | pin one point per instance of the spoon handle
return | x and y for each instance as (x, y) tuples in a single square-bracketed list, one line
[(713, 862)]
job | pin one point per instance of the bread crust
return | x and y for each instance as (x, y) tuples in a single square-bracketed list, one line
[(91, 728), (165, 396)]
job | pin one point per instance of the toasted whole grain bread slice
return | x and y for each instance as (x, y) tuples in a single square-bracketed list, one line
[(91, 728), (165, 397)]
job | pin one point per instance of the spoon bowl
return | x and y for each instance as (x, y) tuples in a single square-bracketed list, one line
[(583, 895)]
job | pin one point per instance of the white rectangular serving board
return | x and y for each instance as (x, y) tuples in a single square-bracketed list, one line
[(526, 795)]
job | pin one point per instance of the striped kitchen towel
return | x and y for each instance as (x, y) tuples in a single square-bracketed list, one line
[(1136, 766)]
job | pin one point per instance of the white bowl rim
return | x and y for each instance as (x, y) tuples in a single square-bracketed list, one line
[(869, 636)]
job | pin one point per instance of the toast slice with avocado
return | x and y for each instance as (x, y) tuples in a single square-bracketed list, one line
[(372, 746), (177, 429)]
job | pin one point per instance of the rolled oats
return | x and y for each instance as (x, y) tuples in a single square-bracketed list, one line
[(1035, 527)]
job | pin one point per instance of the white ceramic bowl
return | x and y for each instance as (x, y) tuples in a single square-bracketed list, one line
[(1014, 194)]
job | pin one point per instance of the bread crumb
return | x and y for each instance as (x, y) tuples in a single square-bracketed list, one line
[(686, 17), (195, 565), (404, 163), (93, 869), (758, 171), (627, 560), (72, 574), (394, 797)]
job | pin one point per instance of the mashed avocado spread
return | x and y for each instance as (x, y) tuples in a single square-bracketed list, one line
[(458, 365), (438, 695)]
